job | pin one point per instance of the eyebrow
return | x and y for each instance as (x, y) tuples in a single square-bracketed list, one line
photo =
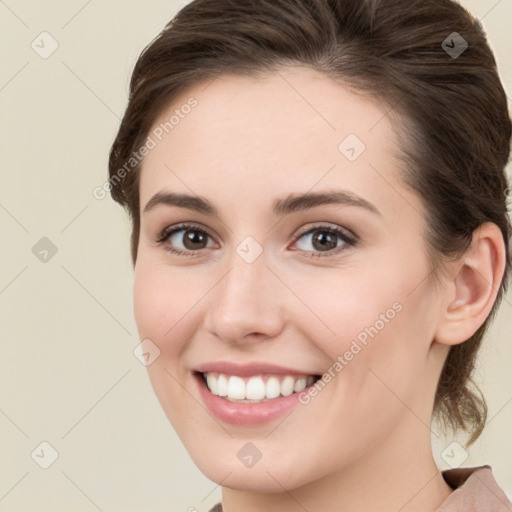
[(289, 204)]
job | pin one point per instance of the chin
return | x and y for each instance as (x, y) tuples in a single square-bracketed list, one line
[(259, 478), (270, 474)]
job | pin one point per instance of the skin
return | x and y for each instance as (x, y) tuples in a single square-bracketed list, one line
[(363, 443)]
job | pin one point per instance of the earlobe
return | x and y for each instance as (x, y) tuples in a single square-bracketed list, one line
[(474, 286)]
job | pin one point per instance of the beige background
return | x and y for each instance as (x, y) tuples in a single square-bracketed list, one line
[(68, 373)]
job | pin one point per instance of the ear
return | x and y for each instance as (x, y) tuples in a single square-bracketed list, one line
[(473, 286)]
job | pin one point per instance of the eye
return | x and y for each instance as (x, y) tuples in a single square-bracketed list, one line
[(192, 237), (327, 240)]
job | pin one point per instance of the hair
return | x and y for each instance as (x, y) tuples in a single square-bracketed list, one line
[(456, 145)]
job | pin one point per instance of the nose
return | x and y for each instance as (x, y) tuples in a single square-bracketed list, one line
[(246, 305)]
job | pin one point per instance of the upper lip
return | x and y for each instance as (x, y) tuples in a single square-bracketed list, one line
[(246, 370)]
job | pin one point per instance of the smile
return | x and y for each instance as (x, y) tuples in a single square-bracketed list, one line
[(255, 389), (248, 396)]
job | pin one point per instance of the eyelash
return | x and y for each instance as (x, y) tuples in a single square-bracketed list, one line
[(347, 240)]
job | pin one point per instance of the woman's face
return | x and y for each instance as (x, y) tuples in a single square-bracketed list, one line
[(273, 290)]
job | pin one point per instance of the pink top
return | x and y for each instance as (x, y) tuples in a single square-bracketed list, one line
[(475, 490)]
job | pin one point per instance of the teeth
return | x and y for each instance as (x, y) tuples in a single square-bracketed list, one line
[(300, 384), (287, 386), (222, 386), (236, 388), (272, 388), (212, 383), (255, 389)]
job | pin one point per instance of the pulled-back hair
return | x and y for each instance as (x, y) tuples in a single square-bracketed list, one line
[(455, 147)]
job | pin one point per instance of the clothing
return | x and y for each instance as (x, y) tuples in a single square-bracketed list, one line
[(475, 490)]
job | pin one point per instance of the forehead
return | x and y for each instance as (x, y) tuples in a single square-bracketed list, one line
[(256, 134)]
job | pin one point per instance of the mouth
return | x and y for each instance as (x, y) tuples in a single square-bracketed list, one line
[(251, 394), (257, 388)]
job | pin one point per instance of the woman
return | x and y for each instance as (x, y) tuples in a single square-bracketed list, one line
[(320, 240)]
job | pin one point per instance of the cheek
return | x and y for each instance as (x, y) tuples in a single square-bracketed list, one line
[(378, 330), (149, 303), (163, 304), (351, 306), (164, 313)]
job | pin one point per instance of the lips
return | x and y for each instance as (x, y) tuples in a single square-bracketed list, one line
[(250, 394), (249, 370)]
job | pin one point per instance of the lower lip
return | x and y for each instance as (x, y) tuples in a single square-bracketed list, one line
[(245, 414)]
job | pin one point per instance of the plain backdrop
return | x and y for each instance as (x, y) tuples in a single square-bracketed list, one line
[(69, 377)]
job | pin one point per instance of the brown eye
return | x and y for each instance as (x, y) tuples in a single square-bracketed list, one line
[(325, 239), (184, 239), (194, 239)]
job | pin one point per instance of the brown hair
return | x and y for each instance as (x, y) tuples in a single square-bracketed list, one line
[(458, 135)]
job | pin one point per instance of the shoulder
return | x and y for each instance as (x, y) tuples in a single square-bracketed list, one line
[(475, 490)]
